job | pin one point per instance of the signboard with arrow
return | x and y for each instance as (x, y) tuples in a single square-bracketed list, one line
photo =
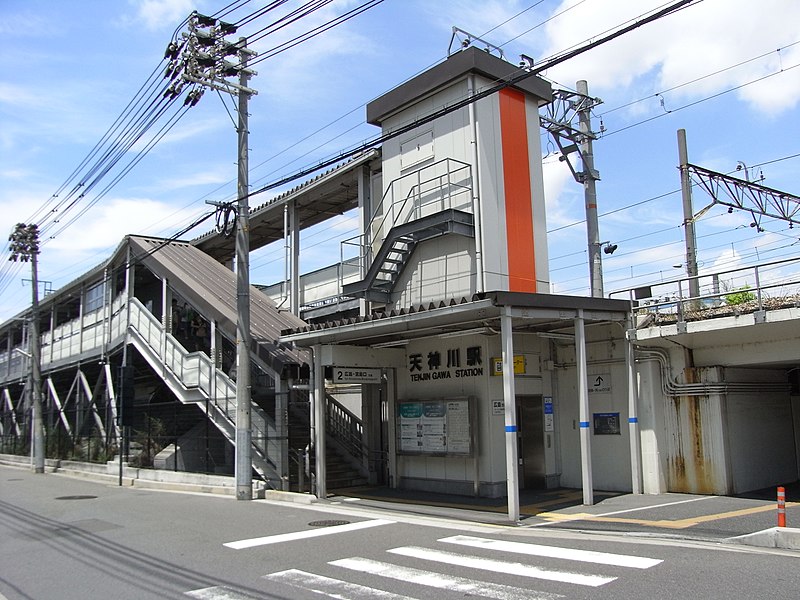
[(599, 383)]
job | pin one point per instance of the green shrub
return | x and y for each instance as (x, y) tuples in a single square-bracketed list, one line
[(740, 296)]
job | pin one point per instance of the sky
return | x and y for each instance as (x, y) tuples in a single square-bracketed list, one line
[(726, 72)]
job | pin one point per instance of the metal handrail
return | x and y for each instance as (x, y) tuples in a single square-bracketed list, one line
[(346, 427), (387, 211), (674, 300)]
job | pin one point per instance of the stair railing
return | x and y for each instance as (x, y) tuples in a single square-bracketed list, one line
[(345, 427), (195, 370), (450, 179)]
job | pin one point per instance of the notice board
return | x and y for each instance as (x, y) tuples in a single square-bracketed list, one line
[(435, 427)]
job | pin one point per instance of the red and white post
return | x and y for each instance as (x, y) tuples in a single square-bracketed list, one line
[(781, 507)]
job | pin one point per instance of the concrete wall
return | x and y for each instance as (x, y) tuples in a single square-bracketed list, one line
[(608, 394), (446, 267), (651, 428), (442, 267), (761, 433)]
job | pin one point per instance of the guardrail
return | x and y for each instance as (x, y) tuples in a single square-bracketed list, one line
[(749, 289)]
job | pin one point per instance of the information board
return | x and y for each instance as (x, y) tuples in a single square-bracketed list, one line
[(437, 427), (606, 423)]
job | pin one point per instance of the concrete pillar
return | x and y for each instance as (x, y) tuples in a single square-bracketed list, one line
[(585, 418), (510, 402)]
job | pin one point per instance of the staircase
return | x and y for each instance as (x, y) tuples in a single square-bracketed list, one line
[(433, 207), (193, 379), (344, 465), (398, 246)]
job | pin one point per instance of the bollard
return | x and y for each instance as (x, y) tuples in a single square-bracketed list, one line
[(781, 507)]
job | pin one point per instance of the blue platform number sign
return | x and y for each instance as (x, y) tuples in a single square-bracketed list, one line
[(548, 413)]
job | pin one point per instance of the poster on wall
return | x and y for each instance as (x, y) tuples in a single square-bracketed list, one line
[(439, 427)]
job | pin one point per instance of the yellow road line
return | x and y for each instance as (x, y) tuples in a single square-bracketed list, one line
[(663, 523)]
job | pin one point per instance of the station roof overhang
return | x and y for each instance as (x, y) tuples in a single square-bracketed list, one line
[(536, 313), (331, 193)]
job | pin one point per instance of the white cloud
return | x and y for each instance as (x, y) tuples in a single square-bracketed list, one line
[(697, 41), (109, 221), (216, 175), (163, 14), (560, 193)]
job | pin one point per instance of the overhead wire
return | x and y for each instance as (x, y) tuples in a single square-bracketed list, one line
[(355, 109)]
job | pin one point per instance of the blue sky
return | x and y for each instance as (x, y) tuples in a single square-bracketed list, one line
[(723, 70)]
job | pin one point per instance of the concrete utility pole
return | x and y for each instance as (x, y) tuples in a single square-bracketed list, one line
[(25, 246), (590, 175), (244, 464), (201, 60), (559, 120), (688, 217)]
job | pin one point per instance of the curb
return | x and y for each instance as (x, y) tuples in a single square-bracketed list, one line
[(787, 538), (291, 497)]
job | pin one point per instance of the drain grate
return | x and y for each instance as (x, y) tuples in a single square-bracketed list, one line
[(77, 497), (327, 523)]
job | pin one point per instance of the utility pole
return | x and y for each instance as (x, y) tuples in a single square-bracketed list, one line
[(244, 464), (589, 190), (558, 120), (25, 246), (690, 237), (200, 59)]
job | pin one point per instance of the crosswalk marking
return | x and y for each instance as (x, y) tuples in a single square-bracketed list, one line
[(602, 558), (331, 587), (499, 566), (441, 580), (302, 535), (218, 593)]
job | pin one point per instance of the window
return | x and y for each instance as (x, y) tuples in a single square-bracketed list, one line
[(95, 297)]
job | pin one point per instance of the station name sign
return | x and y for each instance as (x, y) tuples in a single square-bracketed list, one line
[(451, 364)]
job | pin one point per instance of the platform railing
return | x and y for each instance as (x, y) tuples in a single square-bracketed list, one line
[(748, 289)]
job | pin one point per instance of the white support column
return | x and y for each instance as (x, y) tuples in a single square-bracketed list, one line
[(294, 243), (52, 334), (583, 402), (365, 211), (510, 402), (10, 406), (477, 210), (633, 414), (166, 307), (57, 401), (112, 399), (318, 391), (81, 314)]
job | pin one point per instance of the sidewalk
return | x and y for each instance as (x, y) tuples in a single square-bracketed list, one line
[(709, 518)]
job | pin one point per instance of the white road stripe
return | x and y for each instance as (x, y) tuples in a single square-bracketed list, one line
[(442, 581), (499, 566), (589, 517), (328, 586), (218, 593), (601, 558), (303, 535)]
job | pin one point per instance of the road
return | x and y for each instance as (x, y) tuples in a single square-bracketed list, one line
[(65, 538)]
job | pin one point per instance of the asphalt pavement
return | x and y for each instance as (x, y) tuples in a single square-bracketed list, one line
[(688, 516)]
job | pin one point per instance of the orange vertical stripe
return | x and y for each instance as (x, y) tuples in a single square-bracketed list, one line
[(517, 183)]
